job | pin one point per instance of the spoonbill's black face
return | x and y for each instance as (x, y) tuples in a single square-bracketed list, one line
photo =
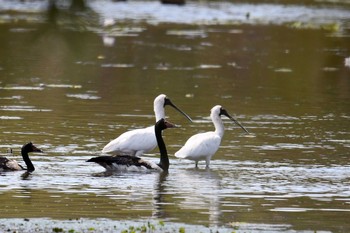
[(167, 101), (225, 113)]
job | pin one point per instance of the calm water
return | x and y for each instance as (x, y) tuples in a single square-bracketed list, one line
[(70, 81)]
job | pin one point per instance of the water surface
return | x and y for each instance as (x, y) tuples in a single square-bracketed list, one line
[(72, 81)]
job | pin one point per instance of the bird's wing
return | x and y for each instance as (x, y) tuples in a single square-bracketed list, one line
[(8, 164), (115, 162), (133, 141), (3, 161), (126, 160), (200, 145)]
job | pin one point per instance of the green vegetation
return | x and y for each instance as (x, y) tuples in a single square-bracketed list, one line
[(146, 228), (57, 229), (103, 225)]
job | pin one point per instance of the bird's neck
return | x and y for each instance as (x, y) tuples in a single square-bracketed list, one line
[(164, 159), (219, 126), (159, 112), (26, 159)]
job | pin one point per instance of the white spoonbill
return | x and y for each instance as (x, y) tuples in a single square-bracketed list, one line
[(139, 141), (133, 163), (203, 146)]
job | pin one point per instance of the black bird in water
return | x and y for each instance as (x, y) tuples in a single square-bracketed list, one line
[(133, 163), (13, 165)]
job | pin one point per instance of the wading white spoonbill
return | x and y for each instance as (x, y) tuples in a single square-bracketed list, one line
[(139, 141), (133, 163), (203, 146)]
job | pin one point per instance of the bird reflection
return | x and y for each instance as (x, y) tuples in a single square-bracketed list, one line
[(188, 190), (170, 195), (26, 175), (202, 190), (104, 173), (158, 196)]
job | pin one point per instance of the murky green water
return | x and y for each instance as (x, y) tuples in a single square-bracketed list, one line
[(70, 81)]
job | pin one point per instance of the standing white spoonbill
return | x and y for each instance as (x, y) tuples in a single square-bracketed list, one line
[(139, 141), (133, 163), (203, 146)]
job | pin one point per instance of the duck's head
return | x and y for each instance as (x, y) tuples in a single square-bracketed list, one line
[(29, 147), (163, 124)]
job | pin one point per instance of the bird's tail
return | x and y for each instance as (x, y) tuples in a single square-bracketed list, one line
[(179, 155), (98, 159)]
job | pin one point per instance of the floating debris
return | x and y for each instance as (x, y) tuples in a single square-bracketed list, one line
[(10, 118), (208, 66), (21, 30), (23, 108), (236, 31), (347, 62), (283, 70), (83, 96), (60, 86), (108, 41), (191, 33), (108, 22), (117, 65), (24, 88), (330, 69), (15, 97)]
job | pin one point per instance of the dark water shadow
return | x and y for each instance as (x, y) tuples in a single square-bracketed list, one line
[(26, 175)]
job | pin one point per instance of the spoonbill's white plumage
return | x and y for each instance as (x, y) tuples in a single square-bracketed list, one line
[(203, 146), (133, 163), (139, 141)]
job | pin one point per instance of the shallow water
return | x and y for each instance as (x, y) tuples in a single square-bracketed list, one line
[(72, 81)]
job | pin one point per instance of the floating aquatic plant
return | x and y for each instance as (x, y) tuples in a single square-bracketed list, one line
[(57, 229), (347, 61), (334, 27)]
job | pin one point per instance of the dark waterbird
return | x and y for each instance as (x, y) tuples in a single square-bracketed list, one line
[(133, 163), (13, 165)]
